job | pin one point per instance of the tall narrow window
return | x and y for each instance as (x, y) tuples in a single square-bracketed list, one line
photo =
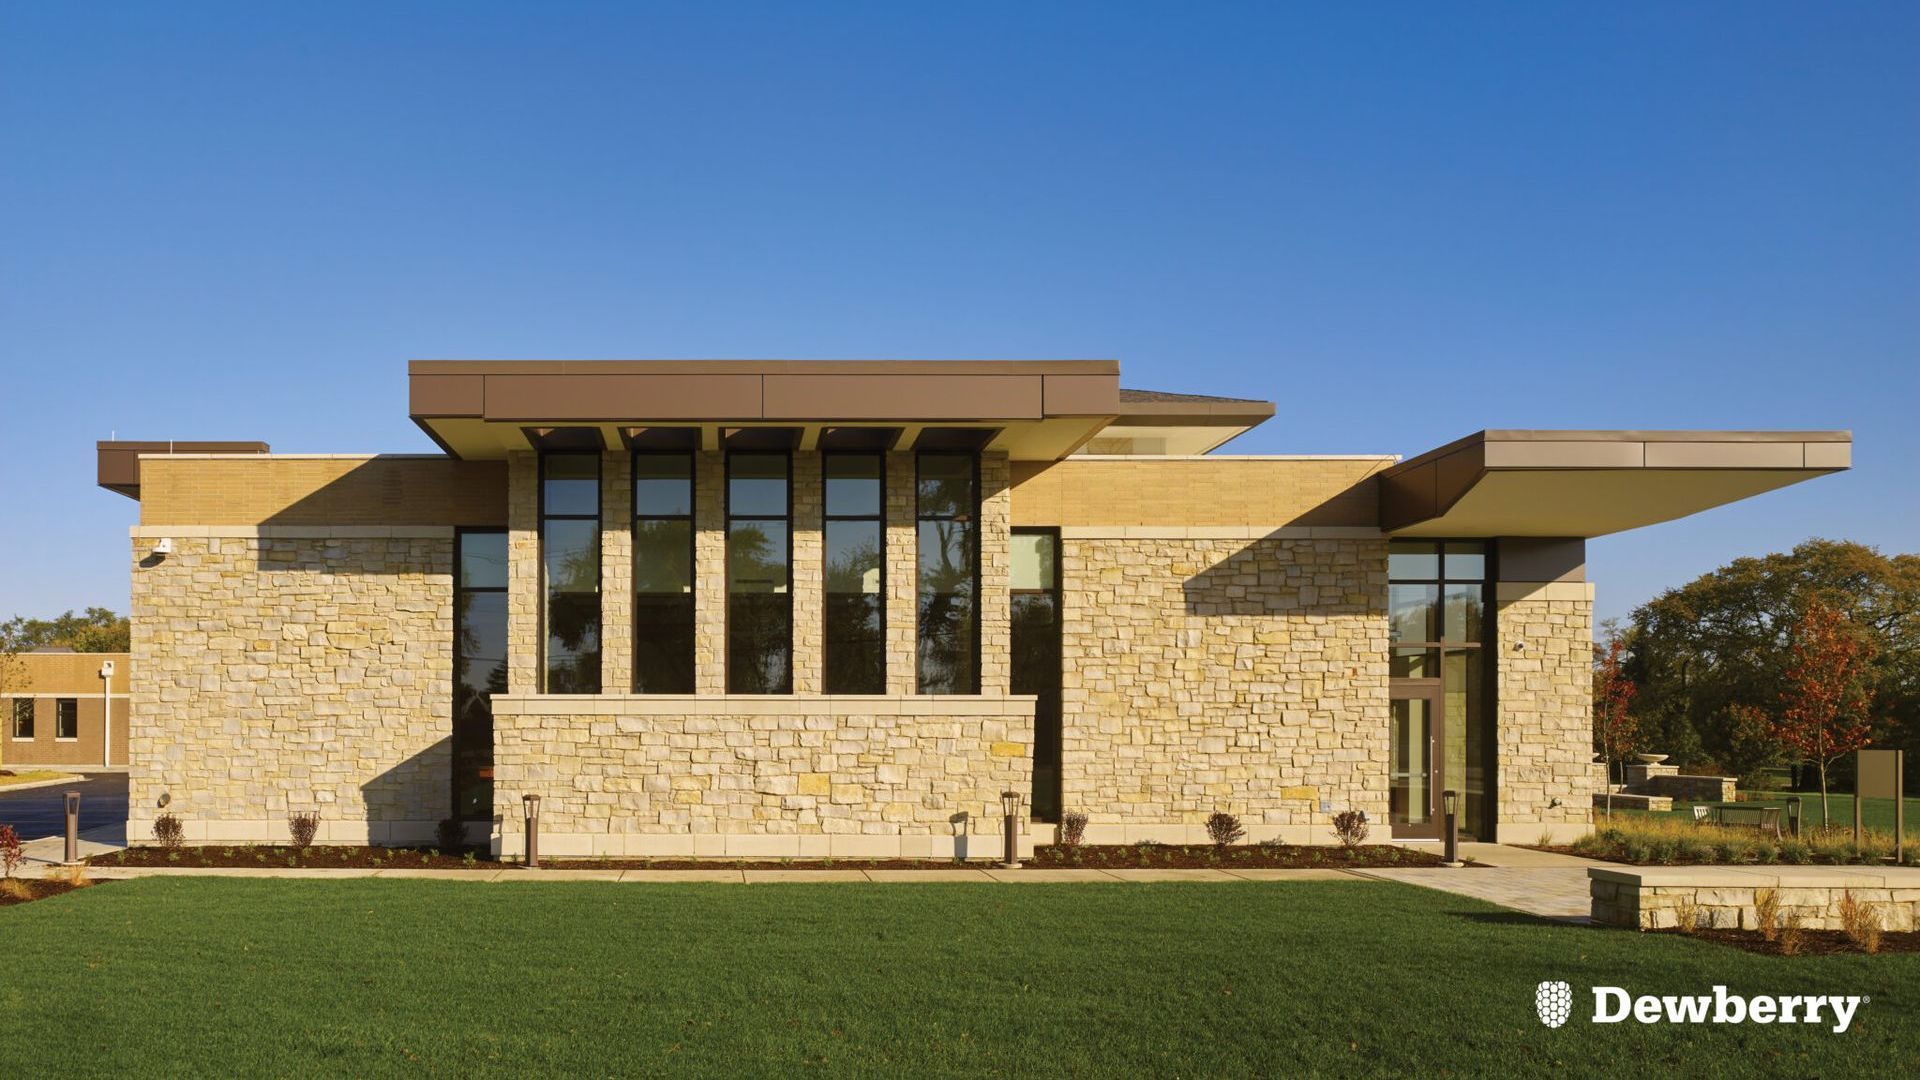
[(23, 718), (949, 588), (66, 718), (479, 665), (1442, 729), (856, 628), (1036, 655), (662, 573), (570, 552), (759, 553)]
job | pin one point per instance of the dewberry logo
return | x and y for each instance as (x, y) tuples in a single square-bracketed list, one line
[(1554, 1002), (1614, 1005)]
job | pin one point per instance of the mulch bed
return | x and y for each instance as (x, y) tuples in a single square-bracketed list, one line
[(41, 890), (1812, 942), (1208, 857), (1087, 857), (1616, 856)]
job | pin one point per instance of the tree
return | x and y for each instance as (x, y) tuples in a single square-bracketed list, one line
[(1614, 727), (1823, 707), (1711, 655), (98, 630)]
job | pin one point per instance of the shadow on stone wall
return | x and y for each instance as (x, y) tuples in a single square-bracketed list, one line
[(1285, 576)]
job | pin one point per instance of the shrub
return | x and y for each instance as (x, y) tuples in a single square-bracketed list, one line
[(16, 889), (1792, 938), (168, 830), (1766, 912), (1686, 914), (1350, 828), (1795, 852), (452, 835), (1223, 829), (1073, 828), (302, 828), (9, 848), (1861, 922)]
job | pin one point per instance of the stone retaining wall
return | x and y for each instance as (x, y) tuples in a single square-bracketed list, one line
[(1646, 898), (760, 776)]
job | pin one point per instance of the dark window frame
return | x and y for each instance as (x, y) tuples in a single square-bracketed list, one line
[(17, 714), (879, 519), (727, 519), (599, 553), (692, 518), (1057, 590), (66, 716), (460, 534), (1487, 829), (973, 519)]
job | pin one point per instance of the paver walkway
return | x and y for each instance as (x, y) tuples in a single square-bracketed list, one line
[(1552, 892), (1537, 882)]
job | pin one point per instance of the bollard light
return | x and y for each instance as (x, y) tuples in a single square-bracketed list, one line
[(73, 827), (1010, 802), (532, 803), (1448, 799), (1793, 815)]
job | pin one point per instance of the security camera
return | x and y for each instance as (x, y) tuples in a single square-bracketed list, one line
[(164, 547), (106, 669)]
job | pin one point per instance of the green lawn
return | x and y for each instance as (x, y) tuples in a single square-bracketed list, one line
[(1876, 814), (369, 977)]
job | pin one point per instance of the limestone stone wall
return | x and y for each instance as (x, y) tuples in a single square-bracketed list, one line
[(616, 572), (809, 575), (709, 574), (1546, 775), (1245, 675), (1724, 898), (902, 576), (996, 543), (292, 669), (760, 775), (524, 582)]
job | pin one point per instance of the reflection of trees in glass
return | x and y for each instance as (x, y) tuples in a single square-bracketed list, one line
[(756, 562), (849, 567), (946, 602), (759, 609)]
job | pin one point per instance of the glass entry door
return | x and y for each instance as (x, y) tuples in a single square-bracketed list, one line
[(1414, 769)]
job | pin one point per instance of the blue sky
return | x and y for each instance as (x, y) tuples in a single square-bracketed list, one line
[(1401, 222)]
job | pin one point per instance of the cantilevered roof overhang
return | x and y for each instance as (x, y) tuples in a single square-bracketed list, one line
[(1591, 483), (1031, 409)]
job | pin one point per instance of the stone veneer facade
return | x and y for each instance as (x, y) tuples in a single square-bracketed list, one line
[(1224, 666), (760, 776), (1244, 675), (1544, 729), (292, 669)]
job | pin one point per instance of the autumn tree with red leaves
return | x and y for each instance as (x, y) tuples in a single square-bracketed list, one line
[(1823, 708), (1615, 729)]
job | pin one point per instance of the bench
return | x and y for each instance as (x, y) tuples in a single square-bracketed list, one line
[(1762, 818)]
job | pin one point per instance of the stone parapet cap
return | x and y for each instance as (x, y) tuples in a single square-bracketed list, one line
[(1760, 877), (763, 704), (1508, 592), (292, 532)]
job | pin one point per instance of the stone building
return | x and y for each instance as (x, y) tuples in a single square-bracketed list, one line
[(790, 608)]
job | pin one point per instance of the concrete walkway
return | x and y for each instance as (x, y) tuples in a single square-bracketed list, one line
[(1539, 883)]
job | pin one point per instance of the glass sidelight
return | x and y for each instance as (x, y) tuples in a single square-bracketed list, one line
[(1442, 727), (1413, 787)]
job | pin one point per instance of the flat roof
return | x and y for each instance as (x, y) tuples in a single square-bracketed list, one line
[(1582, 483), (1031, 409)]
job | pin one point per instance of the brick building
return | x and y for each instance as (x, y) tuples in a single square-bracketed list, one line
[(759, 608)]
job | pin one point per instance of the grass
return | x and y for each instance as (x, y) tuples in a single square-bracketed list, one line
[(1876, 814), (31, 777), (373, 977), (1663, 840)]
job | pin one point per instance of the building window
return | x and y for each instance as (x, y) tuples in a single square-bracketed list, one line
[(856, 614), (759, 555), (23, 718), (662, 573), (570, 554), (479, 665), (66, 718), (948, 499), (1441, 684), (1035, 611)]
